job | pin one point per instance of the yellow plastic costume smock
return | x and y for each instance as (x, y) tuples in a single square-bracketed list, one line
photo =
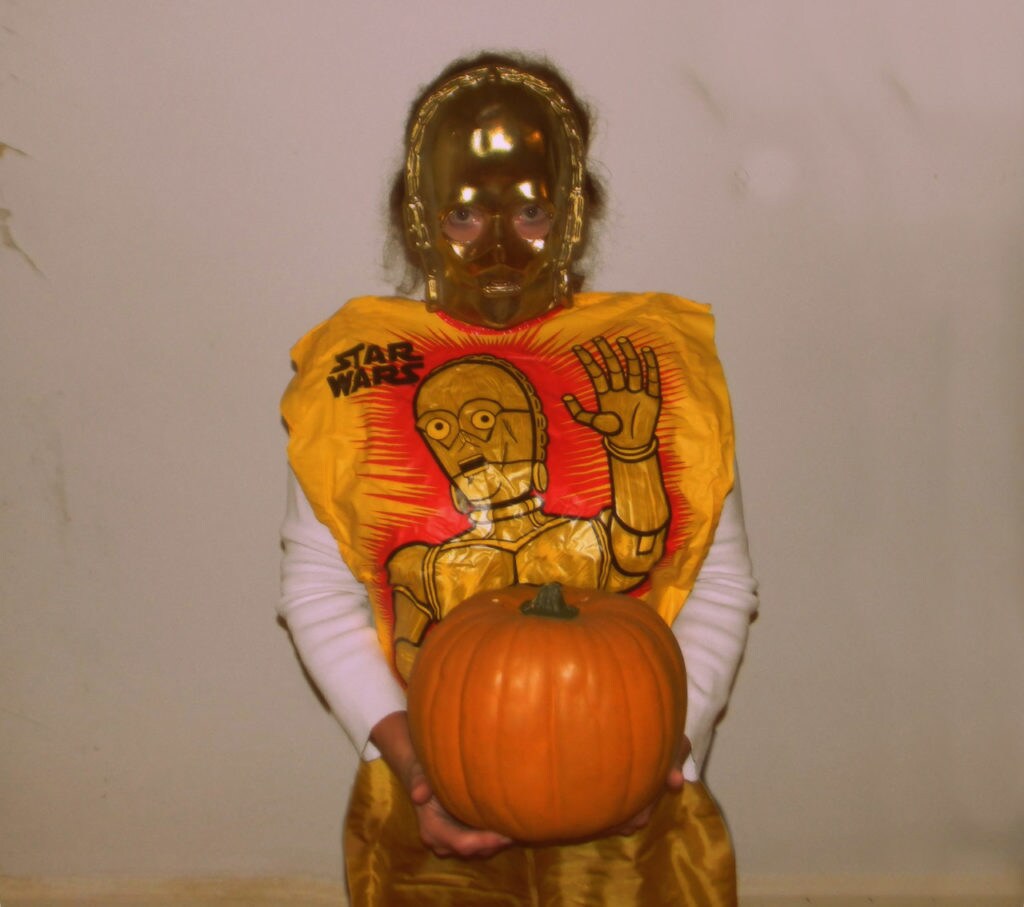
[(593, 446)]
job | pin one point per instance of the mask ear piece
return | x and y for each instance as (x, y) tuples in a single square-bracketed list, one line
[(419, 239), (415, 224), (433, 297), (564, 285)]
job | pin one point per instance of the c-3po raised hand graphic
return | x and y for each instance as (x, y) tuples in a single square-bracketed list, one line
[(483, 422)]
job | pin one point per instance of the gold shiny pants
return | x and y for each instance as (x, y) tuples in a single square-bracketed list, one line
[(682, 857)]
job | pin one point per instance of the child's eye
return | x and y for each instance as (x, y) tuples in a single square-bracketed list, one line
[(532, 222), (462, 224)]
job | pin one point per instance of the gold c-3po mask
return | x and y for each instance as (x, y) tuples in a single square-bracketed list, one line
[(494, 196)]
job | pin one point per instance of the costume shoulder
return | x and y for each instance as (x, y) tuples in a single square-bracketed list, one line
[(652, 298), (337, 344), (355, 317), (663, 314)]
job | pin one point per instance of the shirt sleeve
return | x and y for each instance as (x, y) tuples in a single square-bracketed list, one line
[(712, 628), (329, 617)]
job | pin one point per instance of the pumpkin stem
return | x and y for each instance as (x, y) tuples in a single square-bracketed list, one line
[(549, 602)]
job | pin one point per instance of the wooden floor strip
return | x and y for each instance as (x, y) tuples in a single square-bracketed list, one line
[(300, 892)]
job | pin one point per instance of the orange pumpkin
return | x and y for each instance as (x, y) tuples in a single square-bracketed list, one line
[(548, 727)]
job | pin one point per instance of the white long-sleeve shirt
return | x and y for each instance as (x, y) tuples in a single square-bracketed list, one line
[(328, 613)]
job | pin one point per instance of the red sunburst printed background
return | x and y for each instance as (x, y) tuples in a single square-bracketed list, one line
[(416, 503)]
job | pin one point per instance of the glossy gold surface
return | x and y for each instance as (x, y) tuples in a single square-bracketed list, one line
[(494, 196), (684, 853)]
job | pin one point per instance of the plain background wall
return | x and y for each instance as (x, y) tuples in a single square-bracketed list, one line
[(186, 187)]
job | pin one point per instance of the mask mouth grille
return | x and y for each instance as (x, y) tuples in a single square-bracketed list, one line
[(501, 288)]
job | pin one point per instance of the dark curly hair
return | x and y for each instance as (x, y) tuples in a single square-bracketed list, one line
[(593, 191)]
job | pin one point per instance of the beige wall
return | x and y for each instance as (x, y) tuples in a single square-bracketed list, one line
[(194, 184)]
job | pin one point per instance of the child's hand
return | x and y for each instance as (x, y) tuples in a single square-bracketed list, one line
[(439, 831), (448, 837)]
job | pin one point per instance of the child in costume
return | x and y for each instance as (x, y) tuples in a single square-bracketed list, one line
[(510, 430)]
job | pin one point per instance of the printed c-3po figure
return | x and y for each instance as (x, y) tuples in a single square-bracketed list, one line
[(482, 420)]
